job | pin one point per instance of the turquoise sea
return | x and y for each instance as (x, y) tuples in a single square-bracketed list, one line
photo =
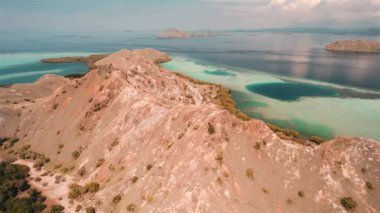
[(287, 79)]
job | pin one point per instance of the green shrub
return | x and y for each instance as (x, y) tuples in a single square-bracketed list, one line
[(257, 146), (289, 201), (219, 157), (100, 162), (82, 171), (211, 129), (113, 144), (249, 173), (78, 208), (348, 203), (3, 140), (75, 154), (116, 199), (368, 185), (75, 191), (92, 187), (13, 182), (134, 179), (132, 207), (287, 132), (55, 106), (90, 210), (57, 209), (149, 167), (317, 139)]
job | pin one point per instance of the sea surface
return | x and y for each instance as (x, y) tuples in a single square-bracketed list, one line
[(287, 79)]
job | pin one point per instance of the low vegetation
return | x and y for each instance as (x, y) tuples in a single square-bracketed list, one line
[(368, 185), (55, 106), (219, 157), (289, 201), (90, 210), (211, 129), (249, 174), (78, 208), (257, 146), (13, 182), (134, 179), (39, 159), (92, 187), (7, 143), (77, 191), (317, 139), (82, 171), (100, 162), (113, 144), (288, 132), (116, 199), (57, 209), (132, 207), (75, 154), (348, 203), (149, 167)]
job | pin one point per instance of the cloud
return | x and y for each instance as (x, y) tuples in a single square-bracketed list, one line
[(302, 12)]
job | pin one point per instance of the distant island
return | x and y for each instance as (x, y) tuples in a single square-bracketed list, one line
[(369, 46), (173, 33), (90, 60)]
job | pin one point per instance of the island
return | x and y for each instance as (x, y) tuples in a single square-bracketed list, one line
[(131, 136), (89, 60), (173, 33), (366, 46)]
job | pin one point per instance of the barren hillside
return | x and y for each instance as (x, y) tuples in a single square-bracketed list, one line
[(144, 139)]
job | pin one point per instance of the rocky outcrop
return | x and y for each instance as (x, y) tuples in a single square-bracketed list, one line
[(156, 141), (178, 34), (370, 46)]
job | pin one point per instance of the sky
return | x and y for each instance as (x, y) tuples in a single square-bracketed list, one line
[(106, 15)]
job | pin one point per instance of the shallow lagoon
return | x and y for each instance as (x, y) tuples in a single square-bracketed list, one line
[(318, 110), (26, 67)]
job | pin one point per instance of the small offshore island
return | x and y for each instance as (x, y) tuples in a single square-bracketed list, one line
[(173, 33), (131, 135), (366, 46)]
